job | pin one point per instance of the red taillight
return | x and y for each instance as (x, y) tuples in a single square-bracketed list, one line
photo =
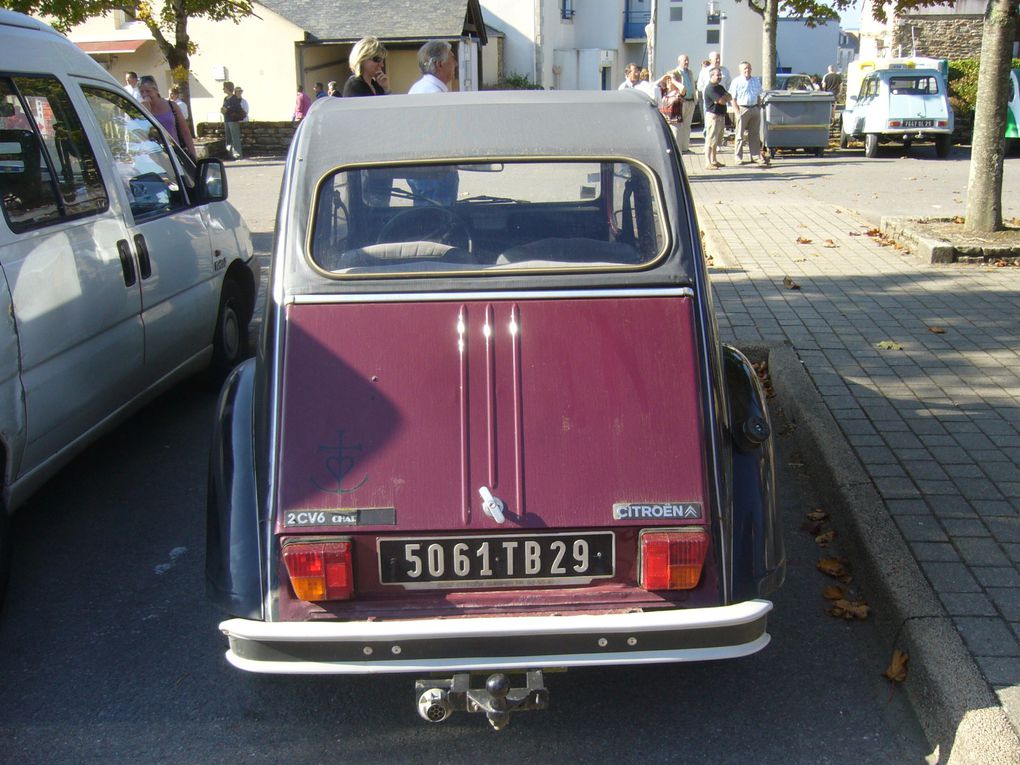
[(942, 123), (672, 560), (894, 123), (320, 570)]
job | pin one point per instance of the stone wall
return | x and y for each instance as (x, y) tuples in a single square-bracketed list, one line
[(259, 138), (951, 37)]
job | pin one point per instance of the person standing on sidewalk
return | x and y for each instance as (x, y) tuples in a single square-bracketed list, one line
[(683, 81), (746, 92), (714, 106), (438, 65), (302, 104), (632, 75), (233, 115)]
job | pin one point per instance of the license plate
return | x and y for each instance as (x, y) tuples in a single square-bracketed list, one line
[(494, 560), (918, 123)]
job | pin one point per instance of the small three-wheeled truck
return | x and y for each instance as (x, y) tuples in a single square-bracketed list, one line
[(490, 427)]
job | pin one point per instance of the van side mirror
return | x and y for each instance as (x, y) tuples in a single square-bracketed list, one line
[(212, 181)]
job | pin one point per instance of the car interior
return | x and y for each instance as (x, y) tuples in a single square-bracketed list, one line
[(488, 216)]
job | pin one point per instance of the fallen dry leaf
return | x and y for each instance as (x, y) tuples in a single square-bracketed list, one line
[(790, 284), (829, 243), (872, 232), (854, 233), (936, 330), (959, 220), (833, 567), (824, 539), (833, 592), (897, 669), (849, 609), (818, 514), (803, 240), (889, 345)]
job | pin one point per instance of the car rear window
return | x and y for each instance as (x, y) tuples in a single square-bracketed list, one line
[(914, 86), (487, 216)]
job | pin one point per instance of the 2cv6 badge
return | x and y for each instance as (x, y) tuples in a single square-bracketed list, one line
[(512, 322)]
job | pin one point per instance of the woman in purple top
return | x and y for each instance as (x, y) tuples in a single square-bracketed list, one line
[(166, 114)]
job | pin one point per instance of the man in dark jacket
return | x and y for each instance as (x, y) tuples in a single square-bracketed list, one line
[(233, 114)]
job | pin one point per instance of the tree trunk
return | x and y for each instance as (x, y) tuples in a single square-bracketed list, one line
[(984, 187), (768, 44)]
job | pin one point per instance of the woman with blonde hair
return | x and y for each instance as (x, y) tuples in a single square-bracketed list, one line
[(369, 79), (166, 113)]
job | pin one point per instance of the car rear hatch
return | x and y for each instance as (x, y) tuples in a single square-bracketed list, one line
[(581, 418)]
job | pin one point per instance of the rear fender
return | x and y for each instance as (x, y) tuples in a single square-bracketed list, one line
[(759, 562), (233, 548)]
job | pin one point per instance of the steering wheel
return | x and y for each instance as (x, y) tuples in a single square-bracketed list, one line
[(432, 223)]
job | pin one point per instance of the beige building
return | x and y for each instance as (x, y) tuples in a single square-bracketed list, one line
[(290, 42)]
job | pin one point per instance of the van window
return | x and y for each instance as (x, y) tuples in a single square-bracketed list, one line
[(914, 86), (140, 154), (542, 214), (48, 171)]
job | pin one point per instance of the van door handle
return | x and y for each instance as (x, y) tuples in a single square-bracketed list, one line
[(127, 262), (144, 264)]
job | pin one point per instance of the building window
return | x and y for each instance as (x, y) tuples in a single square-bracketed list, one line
[(676, 13), (566, 9), (712, 37)]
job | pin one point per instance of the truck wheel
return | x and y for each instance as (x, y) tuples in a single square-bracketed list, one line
[(230, 341), (870, 145), (943, 143)]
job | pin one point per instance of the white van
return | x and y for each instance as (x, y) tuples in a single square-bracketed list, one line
[(122, 267)]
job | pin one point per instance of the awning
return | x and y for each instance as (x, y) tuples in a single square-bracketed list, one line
[(105, 47)]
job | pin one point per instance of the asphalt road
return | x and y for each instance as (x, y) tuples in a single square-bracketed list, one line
[(110, 653)]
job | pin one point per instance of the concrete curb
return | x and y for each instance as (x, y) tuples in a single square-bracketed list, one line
[(958, 711)]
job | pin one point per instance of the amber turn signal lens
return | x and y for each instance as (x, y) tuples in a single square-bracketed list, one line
[(320, 570), (673, 560)]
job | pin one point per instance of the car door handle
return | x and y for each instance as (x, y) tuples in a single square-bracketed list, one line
[(127, 262), (144, 264)]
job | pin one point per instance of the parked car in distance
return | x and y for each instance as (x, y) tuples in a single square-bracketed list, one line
[(787, 81), (900, 105), (490, 426), (123, 268)]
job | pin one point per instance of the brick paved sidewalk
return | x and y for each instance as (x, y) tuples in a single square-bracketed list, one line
[(934, 419)]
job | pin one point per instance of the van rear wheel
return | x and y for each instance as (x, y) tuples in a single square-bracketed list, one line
[(870, 145)]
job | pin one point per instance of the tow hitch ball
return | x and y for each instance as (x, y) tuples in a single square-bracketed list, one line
[(440, 698)]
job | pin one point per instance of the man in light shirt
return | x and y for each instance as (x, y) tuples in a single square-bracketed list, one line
[(713, 63), (131, 85), (683, 81), (633, 76), (746, 92), (438, 65)]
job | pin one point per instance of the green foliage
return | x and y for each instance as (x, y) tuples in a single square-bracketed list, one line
[(166, 20), (963, 84), (514, 81), (812, 12)]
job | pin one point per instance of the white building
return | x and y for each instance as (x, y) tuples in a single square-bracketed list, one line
[(586, 44), (809, 50)]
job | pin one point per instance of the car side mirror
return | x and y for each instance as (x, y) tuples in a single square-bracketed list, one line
[(212, 181)]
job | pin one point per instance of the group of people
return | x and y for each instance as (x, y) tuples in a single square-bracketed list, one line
[(172, 112), (718, 92), (436, 61)]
